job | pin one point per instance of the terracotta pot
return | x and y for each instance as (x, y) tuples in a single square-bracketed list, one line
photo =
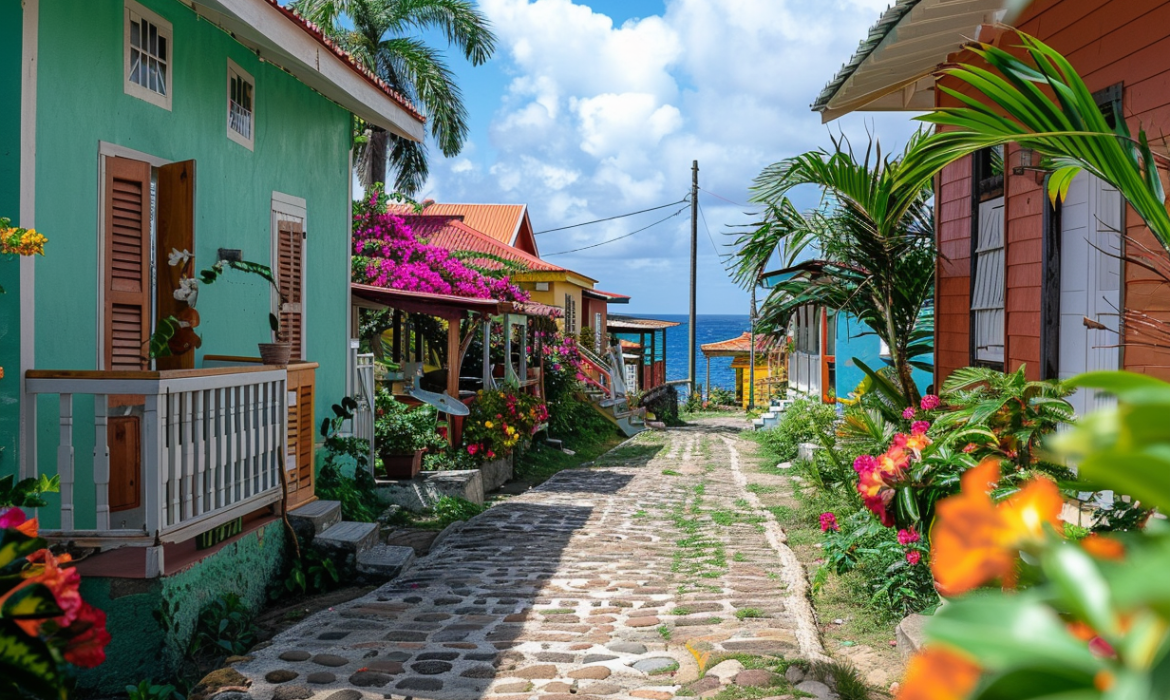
[(275, 353), (402, 466)]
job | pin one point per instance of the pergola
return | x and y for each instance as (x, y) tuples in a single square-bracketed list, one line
[(645, 328)]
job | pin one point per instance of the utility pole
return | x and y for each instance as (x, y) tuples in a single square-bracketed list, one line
[(752, 368), (694, 272)]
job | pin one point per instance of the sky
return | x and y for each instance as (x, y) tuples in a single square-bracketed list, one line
[(596, 108)]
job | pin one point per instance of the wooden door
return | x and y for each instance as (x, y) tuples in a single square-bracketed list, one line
[(290, 278), (1090, 284), (176, 231)]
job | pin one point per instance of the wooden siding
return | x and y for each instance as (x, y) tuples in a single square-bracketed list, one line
[(1110, 42)]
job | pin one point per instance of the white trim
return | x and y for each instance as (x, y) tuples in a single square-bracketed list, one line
[(164, 30), (351, 312), (279, 40), (286, 207), (234, 70), (28, 208), (113, 150)]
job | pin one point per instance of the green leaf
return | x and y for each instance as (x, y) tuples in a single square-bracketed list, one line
[(27, 664), (30, 602), (1082, 586)]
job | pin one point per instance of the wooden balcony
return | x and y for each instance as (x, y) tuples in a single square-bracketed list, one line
[(147, 458)]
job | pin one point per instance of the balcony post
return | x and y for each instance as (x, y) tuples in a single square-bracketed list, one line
[(65, 460), (154, 467), (101, 460)]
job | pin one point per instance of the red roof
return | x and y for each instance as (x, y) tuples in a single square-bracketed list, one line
[(503, 222), (611, 297), (452, 233), (736, 346), (314, 31)]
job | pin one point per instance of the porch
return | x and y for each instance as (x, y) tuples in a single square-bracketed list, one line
[(149, 458)]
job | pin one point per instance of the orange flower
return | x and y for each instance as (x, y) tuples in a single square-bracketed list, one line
[(63, 583), (975, 541), (1103, 547), (938, 673)]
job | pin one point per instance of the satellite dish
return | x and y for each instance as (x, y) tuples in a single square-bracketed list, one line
[(444, 402)]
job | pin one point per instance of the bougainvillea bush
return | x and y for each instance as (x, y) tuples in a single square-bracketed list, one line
[(387, 253), (45, 626), (500, 420)]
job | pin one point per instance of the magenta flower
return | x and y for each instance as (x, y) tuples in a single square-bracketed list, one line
[(906, 537), (829, 522), (913, 557), (865, 464), (930, 402), (919, 427), (12, 518), (908, 414)]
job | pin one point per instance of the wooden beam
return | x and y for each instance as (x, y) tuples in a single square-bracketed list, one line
[(454, 364)]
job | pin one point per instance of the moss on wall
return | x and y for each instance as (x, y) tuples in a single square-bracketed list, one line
[(148, 643)]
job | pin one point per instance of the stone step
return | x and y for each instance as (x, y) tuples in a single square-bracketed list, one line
[(314, 518), (349, 536), (385, 561)]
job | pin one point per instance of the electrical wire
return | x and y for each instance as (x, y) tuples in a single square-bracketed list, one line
[(627, 235), (611, 218), (725, 199), (708, 229)]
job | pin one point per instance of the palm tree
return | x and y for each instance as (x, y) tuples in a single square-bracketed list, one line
[(876, 238), (378, 33)]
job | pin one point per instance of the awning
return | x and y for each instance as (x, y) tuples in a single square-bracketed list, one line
[(632, 324), (442, 305), (610, 297), (533, 308), (893, 67)]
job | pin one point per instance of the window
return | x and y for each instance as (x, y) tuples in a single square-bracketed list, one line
[(148, 56), (987, 260), (241, 111), (570, 314)]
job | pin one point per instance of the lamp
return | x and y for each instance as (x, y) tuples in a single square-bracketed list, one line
[(230, 254), (1029, 161)]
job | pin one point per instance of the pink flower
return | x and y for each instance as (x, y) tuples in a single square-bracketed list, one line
[(908, 413), (919, 427), (906, 537), (930, 402), (472, 449), (12, 518), (913, 557), (865, 464), (829, 522), (971, 447)]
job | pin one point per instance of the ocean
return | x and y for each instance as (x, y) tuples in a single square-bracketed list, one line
[(709, 328)]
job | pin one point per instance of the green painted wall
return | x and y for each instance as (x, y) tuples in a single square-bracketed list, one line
[(10, 51), (139, 647), (302, 146)]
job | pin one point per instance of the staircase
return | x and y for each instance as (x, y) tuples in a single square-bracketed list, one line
[(352, 546), (607, 393), (772, 418)]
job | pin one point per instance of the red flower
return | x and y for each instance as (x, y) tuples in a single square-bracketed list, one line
[(63, 583), (86, 638), (913, 556), (829, 522), (906, 537), (930, 402)]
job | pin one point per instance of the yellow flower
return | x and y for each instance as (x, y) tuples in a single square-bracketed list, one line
[(487, 424)]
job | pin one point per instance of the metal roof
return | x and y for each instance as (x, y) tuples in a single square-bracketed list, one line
[(453, 233), (893, 67), (499, 221), (627, 324), (734, 347), (610, 297)]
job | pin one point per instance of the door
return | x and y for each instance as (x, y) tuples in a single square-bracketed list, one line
[(1090, 284)]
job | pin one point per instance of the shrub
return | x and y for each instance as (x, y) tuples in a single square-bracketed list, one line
[(224, 628), (718, 396), (499, 420), (401, 429), (359, 500), (452, 509), (806, 420), (663, 403)]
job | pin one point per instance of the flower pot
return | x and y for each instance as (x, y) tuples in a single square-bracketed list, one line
[(402, 466), (275, 353)]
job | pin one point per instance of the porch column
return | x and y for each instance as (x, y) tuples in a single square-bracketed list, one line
[(453, 367)]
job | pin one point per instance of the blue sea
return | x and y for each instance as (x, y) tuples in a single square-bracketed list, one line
[(709, 328)]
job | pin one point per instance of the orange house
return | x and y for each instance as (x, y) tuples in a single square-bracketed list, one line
[(1021, 282)]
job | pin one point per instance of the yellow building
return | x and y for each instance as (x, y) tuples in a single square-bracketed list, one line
[(770, 368)]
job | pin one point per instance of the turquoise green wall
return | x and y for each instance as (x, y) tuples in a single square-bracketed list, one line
[(302, 146), (10, 48), (139, 647)]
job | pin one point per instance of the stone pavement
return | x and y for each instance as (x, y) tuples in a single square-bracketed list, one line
[(588, 586)]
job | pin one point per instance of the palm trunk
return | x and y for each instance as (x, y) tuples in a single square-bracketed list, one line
[(898, 356), (377, 150)]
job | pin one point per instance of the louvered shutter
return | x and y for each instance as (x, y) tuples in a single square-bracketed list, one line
[(127, 264), (290, 277)]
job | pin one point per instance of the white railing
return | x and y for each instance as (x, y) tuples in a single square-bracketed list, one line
[(210, 443), (365, 394), (804, 373)]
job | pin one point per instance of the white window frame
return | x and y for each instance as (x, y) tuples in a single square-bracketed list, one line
[(164, 29), (234, 70), (286, 207)]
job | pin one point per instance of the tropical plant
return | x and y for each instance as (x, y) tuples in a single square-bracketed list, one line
[(313, 573), (148, 690), (1093, 620), (26, 493), (224, 628), (500, 420), (400, 429), (875, 236), (44, 622), (453, 509), (378, 34), (806, 420)]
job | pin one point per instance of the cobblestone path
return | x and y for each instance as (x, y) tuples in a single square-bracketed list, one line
[(591, 585)]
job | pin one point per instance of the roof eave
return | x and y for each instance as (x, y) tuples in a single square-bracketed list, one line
[(277, 39)]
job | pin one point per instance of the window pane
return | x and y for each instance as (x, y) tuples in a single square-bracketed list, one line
[(135, 35), (162, 47), (152, 46), (162, 79), (135, 66)]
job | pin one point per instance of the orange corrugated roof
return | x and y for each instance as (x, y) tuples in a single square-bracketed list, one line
[(498, 221), (448, 231), (742, 344)]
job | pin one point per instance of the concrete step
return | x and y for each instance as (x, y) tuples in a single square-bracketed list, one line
[(349, 536), (385, 561), (314, 518)]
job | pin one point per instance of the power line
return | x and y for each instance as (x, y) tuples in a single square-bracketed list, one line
[(708, 229), (725, 199), (627, 235), (611, 218)]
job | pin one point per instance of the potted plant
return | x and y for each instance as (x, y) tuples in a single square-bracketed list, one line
[(402, 434), (175, 334)]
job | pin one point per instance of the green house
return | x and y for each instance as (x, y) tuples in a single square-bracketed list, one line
[(136, 130)]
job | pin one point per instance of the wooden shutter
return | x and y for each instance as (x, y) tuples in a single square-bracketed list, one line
[(302, 432), (176, 231), (127, 264), (290, 276)]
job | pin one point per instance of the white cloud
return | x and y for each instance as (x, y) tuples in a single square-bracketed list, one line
[(598, 119)]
